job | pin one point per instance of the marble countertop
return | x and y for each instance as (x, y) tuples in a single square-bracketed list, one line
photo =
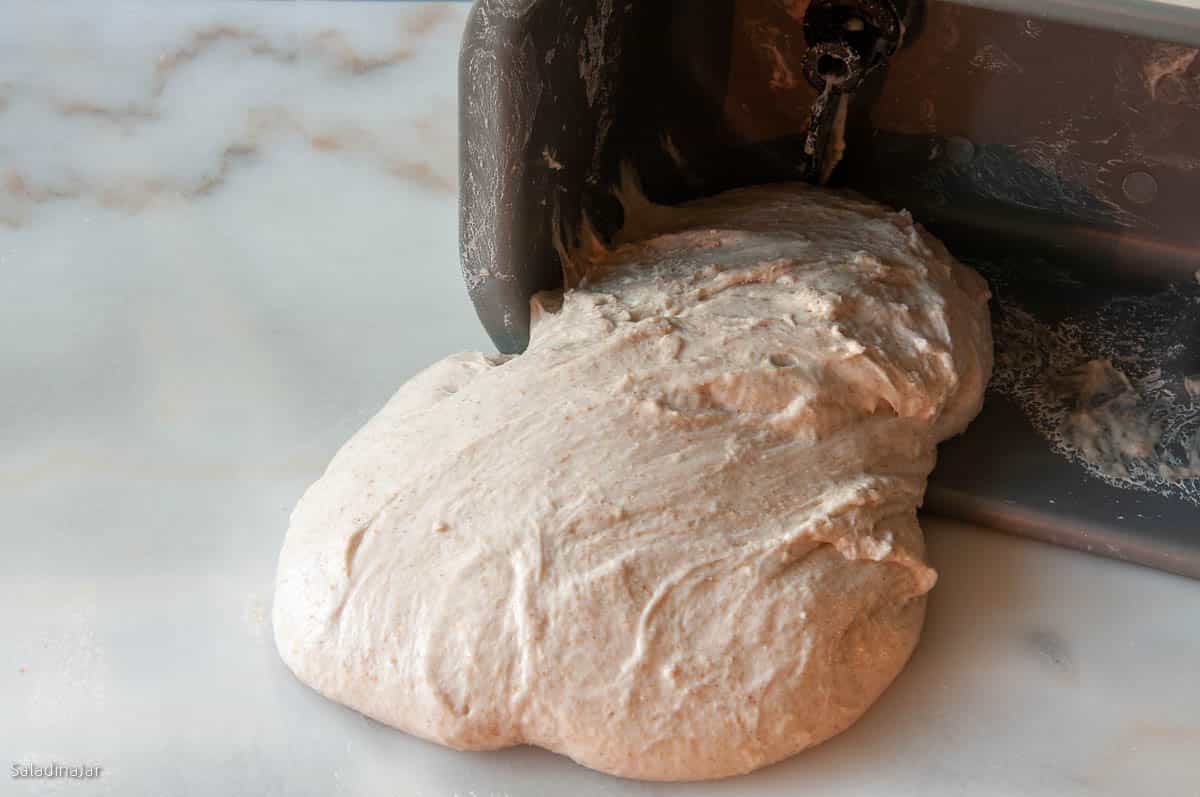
[(227, 234)]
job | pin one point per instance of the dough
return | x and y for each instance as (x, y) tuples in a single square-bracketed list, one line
[(677, 538)]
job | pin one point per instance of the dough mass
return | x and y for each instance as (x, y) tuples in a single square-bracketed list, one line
[(677, 538)]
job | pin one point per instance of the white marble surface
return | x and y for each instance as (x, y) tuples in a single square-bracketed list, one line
[(227, 233)]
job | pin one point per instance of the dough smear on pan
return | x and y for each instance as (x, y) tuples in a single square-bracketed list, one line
[(675, 539)]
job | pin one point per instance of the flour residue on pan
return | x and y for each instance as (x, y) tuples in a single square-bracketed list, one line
[(1111, 426), (1170, 73), (592, 51), (1106, 388), (991, 58)]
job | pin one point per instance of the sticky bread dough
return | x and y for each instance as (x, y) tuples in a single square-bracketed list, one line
[(677, 538)]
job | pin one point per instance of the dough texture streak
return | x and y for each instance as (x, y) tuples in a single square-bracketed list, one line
[(677, 537)]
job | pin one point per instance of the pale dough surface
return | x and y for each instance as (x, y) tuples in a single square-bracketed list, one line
[(677, 538)]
